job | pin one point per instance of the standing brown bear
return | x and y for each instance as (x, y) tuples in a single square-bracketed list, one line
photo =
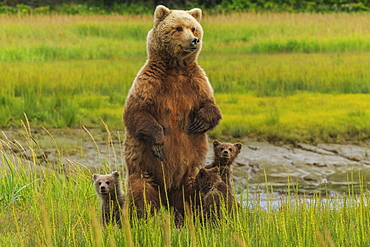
[(168, 111)]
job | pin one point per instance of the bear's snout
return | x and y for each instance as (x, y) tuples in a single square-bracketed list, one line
[(225, 154), (103, 189), (194, 41)]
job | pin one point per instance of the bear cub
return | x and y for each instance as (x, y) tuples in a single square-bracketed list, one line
[(108, 188), (213, 191), (224, 157)]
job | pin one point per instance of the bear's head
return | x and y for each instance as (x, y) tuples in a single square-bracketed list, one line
[(106, 184), (207, 178), (226, 153), (176, 34)]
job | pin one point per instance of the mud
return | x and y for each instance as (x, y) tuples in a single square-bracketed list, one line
[(324, 168)]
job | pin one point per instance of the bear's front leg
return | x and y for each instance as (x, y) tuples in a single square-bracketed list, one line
[(205, 119), (152, 133), (145, 127), (106, 213)]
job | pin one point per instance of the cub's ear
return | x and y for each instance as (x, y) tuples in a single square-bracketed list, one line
[(216, 143), (196, 13), (238, 146), (95, 176), (216, 169), (115, 174), (160, 13), (202, 172)]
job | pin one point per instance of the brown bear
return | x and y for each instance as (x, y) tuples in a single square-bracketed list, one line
[(213, 192), (167, 113), (112, 198), (224, 157)]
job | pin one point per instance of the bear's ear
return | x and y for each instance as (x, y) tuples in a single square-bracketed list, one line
[(238, 146), (95, 176), (115, 174), (216, 143), (160, 13), (202, 172), (196, 13)]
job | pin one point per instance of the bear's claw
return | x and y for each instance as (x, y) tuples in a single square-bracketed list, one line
[(157, 151), (199, 126)]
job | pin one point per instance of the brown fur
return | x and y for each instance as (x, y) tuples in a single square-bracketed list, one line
[(110, 192), (149, 197), (224, 157), (169, 108), (213, 191)]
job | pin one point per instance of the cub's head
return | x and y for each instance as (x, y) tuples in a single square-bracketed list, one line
[(176, 33), (206, 178), (105, 184), (226, 153)]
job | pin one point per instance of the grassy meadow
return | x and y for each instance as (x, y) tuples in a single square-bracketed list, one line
[(64, 71), (281, 77)]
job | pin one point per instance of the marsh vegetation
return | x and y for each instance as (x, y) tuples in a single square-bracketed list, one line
[(290, 77)]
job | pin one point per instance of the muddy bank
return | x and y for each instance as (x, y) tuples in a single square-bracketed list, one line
[(320, 168), (261, 166)]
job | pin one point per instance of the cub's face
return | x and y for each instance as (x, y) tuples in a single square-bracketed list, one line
[(105, 184), (177, 32), (226, 151)]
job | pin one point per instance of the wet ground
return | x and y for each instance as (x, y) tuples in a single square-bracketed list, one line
[(326, 169)]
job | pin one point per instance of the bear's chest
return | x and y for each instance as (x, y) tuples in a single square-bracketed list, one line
[(178, 98), (179, 94)]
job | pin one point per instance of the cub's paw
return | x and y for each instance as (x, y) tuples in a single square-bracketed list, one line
[(199, 125), (157, 151)]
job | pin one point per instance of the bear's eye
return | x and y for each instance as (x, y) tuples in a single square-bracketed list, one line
[(230, 149), (193, 29), (99, 183), (179, 29), (222, 149), (107, 182)]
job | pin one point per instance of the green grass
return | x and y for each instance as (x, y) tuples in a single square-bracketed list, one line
[(276, 102), (308, 118), (61, 94), (41, 205), (58, 37), (64, 71), (287, 74)]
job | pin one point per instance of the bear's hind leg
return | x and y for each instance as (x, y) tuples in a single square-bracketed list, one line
[(143, 194)]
